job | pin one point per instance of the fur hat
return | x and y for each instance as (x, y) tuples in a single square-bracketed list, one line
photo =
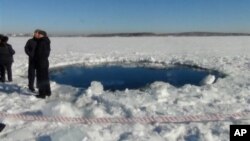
[(42, 33), (37, 30)]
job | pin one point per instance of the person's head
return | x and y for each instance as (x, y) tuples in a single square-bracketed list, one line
[(42, 34), (5, 39), (36, 33)]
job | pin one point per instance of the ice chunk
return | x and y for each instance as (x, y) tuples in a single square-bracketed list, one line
[(208, 80), (159, 90), (96, 88)]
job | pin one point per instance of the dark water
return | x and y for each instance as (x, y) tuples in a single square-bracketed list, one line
[(120, 78)]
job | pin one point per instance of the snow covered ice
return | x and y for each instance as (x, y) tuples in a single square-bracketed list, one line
[(228, 95)]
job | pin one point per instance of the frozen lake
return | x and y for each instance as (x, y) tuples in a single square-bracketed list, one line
[(229, 55)]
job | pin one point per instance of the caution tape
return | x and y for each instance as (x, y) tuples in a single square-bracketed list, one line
[(124, 120)]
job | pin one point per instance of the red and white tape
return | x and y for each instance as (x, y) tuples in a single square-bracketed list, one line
[(124, 120)]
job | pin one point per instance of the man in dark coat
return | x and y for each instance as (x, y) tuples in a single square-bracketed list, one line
[(2, 126), (1, 67), (42, 53), (12, 52), (30, 51), (6, 58)]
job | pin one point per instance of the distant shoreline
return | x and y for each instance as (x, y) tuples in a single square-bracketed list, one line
[(143, 34)]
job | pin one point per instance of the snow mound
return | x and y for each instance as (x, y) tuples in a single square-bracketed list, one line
[(98, 112), (66, 135), (159, 90), (96, 88), (60, 109), (208, 80)]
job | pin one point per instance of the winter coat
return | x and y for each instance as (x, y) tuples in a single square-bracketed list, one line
[(12, 52), (42, 53), (6, 54), (30, 47)]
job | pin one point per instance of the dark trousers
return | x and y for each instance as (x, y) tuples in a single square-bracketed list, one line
[(43, 81), (9, 71), (7, 67), (2, 73), (31, 74)]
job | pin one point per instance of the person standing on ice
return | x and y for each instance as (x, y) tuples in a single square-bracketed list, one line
[(2, 126), (42, 52), (6, 58), (1, 36), (30, 51), (12, 52), (1, 66)]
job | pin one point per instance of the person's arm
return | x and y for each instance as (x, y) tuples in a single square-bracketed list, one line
[(11, 50), (46, 50), (26, 48)]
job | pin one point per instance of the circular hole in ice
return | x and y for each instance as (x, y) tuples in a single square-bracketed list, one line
[(118, 77)]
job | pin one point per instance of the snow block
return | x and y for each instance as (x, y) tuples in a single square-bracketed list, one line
[(96, 88), (208, 80)]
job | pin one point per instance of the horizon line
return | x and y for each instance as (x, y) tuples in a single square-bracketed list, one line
[(110, 33)]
